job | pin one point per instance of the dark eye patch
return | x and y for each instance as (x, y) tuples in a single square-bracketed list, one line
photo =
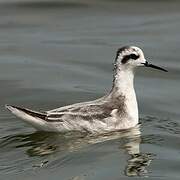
[(131, 56)]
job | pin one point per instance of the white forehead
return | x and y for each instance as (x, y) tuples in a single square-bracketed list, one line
[(133, 49), (137, 49)]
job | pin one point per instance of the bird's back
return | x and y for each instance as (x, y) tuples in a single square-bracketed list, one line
[(103, 113)]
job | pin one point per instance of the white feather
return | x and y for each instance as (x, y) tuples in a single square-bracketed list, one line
[(86, 116)]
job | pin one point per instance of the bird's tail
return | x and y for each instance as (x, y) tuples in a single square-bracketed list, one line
[(36, 119)]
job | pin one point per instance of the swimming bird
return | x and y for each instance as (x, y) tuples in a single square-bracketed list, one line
[(116, 110)]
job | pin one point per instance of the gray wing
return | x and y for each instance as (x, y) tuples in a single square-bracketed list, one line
[(89, 111)]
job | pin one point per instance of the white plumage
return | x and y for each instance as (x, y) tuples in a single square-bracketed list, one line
[(115, 111)]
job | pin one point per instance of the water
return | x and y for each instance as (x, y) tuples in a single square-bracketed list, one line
[(61, 52)]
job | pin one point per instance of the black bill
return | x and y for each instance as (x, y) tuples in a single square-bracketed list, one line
[(153, 66)]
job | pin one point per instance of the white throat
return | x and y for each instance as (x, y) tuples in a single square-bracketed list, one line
[(123, 85), (124, 81)]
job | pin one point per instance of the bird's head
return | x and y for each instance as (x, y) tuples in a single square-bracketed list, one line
[(129, 57)]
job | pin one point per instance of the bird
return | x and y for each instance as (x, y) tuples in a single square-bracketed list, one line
[(117, 110)]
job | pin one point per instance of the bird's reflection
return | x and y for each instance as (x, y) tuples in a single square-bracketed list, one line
[(44, 144), (138, 161)]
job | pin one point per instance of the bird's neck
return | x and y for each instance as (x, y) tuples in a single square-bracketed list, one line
[(123, 82), (123, 85)]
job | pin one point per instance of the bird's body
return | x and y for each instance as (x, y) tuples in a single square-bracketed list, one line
[(115, 111)]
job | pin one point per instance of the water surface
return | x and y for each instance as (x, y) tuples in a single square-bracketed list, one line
[(61, 52)]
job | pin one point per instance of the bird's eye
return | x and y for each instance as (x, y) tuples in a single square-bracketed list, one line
[(127, 57), (133, 56)]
